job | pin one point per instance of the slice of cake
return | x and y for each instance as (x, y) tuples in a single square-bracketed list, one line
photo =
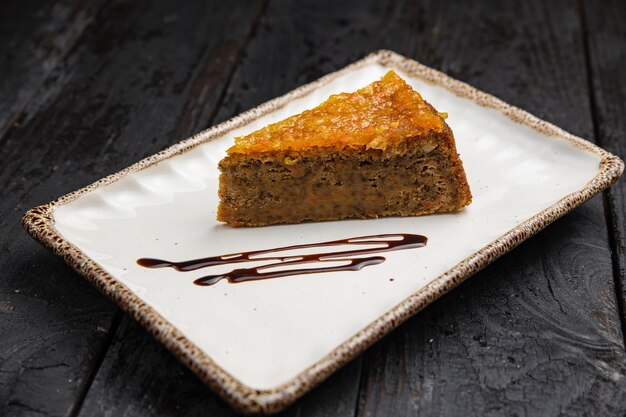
[(380, 151)]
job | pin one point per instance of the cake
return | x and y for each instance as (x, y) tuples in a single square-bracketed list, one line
[(379, 151)]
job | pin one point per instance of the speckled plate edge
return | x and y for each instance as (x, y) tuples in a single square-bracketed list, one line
[(39, 223)]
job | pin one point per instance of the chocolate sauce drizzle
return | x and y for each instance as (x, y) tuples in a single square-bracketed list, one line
[(383, 243)]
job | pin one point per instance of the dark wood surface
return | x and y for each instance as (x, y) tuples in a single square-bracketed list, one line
[(86, 88)]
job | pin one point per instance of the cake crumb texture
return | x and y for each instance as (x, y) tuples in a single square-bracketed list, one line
[(380, 151)]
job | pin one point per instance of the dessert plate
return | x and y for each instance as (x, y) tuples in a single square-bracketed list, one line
[(262, 344)]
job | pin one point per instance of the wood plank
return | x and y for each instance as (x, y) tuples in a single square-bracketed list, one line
[(36, 36), (139, 377), (144, 74), (537, 333), (298, 43), (321, 37), (606, 42), (135, 403)]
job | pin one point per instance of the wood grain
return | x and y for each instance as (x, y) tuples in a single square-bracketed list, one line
[(36, 37), (139, 377), (299, 42), (321, 37), (536, 333), (144, 73), (606, 43), (51, 334)]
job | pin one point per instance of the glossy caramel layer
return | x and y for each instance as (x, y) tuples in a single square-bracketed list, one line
[(376, 116)]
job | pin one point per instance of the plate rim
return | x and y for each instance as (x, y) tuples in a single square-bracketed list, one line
[(39, 223)]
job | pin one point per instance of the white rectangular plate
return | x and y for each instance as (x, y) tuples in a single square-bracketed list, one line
[(262, 344)]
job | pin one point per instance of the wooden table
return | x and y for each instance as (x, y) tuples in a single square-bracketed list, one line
[(88, 87)]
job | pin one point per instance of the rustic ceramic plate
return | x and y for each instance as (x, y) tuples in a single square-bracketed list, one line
[(262, 344)]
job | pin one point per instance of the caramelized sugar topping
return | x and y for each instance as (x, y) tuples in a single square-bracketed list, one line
[(376, 116)]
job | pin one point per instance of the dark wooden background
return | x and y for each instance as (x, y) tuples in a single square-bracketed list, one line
[(88, 87)]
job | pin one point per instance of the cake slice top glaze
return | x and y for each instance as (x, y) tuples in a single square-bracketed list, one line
[(377, 116)]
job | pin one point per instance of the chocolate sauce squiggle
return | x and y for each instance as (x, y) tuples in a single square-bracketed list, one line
[(383, 243)]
